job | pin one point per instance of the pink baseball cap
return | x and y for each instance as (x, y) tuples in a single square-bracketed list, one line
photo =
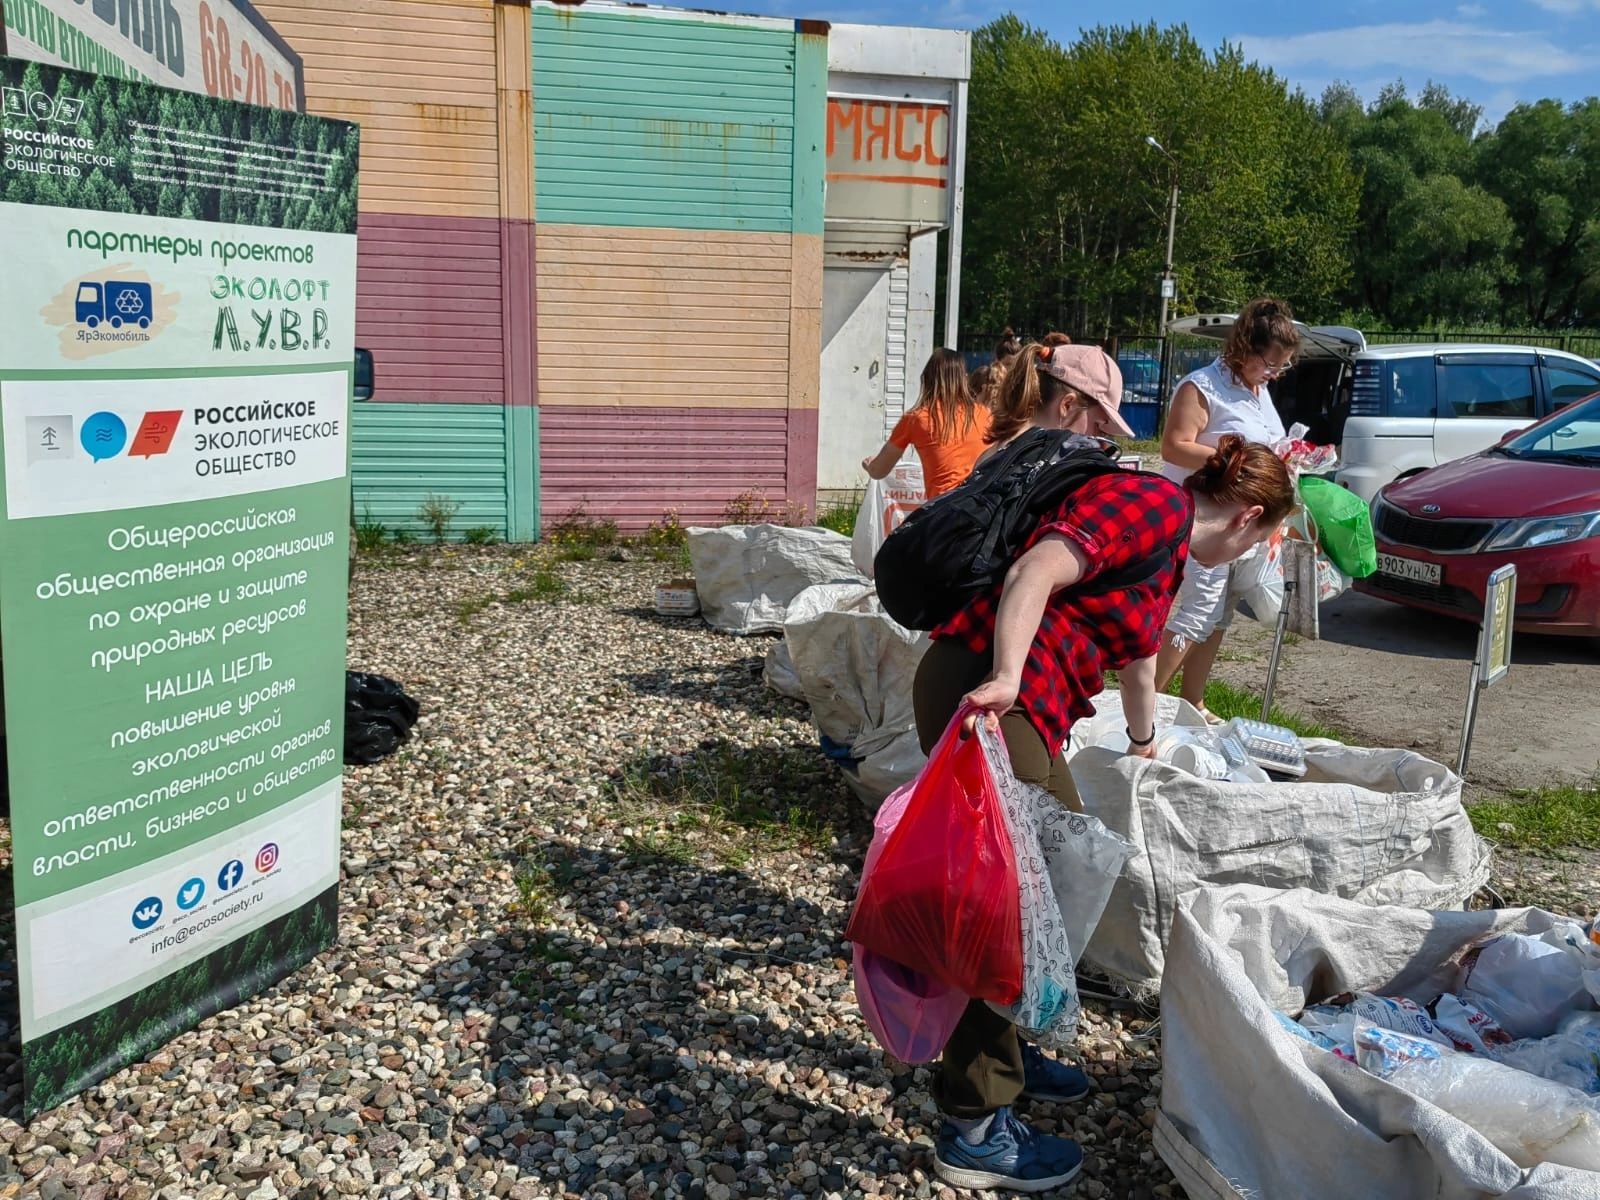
[(1091, 371)]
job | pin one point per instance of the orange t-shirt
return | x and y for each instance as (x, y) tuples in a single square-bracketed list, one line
[(946, 464)]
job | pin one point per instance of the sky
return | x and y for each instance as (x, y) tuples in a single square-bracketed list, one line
[(1497, 53)]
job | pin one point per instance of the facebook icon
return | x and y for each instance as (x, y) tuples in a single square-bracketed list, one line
[(230, 875)]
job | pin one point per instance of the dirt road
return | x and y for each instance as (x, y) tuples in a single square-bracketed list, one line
[(1394, 677)]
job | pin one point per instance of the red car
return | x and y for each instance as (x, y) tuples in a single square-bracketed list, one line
[(1533, 500)]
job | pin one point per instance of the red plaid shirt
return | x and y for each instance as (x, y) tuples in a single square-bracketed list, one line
[(1117, 519)]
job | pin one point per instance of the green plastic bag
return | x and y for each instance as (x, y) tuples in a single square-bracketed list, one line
[(1344, 526)]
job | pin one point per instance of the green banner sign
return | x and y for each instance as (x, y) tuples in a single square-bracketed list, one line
[(177, 331)]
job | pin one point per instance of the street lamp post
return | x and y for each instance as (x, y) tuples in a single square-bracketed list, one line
[(1169, 288)]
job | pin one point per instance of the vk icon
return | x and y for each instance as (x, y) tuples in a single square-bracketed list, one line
[(228, 878), (147, 913), (189, 894)]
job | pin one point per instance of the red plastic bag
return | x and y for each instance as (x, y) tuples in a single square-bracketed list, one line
[(942, 898), (912, 1015)]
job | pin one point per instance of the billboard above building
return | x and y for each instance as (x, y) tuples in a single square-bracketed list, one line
[(888, 160), (895, 128), (219, 48)]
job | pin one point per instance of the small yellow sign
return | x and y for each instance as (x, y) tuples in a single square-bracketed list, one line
[(1498, 615)]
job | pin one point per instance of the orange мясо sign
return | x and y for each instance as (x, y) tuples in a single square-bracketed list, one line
[(888, 160)]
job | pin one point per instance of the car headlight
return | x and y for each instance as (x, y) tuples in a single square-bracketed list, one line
[(1545, 531)]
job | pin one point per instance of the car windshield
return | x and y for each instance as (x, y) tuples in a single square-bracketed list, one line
[(1572, 435)]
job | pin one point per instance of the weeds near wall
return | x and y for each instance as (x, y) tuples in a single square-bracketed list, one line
[(436, 513), (754, 507), (578, 530), (840, 516), (370, 533)]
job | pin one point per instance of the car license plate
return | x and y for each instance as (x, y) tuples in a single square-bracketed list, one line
[(1410, 568)]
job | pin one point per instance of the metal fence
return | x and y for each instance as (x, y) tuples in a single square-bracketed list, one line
[(1150, 365)]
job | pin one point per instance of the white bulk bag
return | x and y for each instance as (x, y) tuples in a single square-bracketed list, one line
[(1248, 1110), (855, 665), (1376, 826), (746, 575)]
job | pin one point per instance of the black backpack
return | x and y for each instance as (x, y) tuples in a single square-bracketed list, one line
[(958, 545), (378, 716)]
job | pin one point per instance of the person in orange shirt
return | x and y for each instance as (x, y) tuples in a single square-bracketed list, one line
[(948, 428)]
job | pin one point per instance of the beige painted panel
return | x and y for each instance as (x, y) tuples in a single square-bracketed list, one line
[(514, 79), (805, 323), (419, 77), (663, 318)]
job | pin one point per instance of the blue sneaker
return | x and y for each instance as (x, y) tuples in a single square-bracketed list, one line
[(1011, 1156), (1048, 1079)]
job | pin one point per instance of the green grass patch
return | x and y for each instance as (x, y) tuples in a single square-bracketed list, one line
[(840, 516), (716, 809), (1541, 819), (544, 586), (1147, 446), (1226, 701)]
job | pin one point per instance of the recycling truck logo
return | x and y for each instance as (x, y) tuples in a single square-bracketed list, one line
[(118, 307), (116, 302)]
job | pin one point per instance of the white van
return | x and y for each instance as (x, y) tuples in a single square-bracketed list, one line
[(1399, 409)]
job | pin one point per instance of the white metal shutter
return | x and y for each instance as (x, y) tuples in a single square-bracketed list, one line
[(895, 383)]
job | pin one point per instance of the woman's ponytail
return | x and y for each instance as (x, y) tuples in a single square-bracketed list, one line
[(1016, 397)]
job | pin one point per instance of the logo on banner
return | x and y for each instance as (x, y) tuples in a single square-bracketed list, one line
[(191, 893), (147, 913), (111, 309), (266, 858), (63, 110), (228, 878), (102, 435)]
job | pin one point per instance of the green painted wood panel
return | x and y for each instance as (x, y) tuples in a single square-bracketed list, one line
[(810, 131), (401, 452), (657, 122)]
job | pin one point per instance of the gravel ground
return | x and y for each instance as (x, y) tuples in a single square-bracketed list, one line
[(590, 945)]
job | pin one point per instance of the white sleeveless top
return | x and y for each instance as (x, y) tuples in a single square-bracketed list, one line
[(1234, 409)]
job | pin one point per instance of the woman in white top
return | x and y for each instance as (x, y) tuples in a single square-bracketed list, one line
[(1229, 396)]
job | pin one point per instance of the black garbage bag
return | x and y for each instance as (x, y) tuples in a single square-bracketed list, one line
[(378, 716)]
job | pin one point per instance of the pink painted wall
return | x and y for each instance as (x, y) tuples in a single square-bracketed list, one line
[(631, 464), (429, 307)]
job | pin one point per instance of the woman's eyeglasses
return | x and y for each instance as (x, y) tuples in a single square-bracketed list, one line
[(1275, 369)]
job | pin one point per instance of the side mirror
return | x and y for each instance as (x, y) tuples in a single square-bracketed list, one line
[(365, 376), (1509, 434)]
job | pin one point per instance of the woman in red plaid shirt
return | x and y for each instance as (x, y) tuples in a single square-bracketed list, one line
[(1031, 655)]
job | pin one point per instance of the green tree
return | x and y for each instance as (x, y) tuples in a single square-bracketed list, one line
[(1430, 245), (1543, 162), (1067, 204)]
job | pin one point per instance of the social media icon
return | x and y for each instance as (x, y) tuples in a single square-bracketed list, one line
[(266, 858), (190, 893), (228, 878), (147, 912)]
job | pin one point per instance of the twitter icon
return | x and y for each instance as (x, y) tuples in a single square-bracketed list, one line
[(190, 893)]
